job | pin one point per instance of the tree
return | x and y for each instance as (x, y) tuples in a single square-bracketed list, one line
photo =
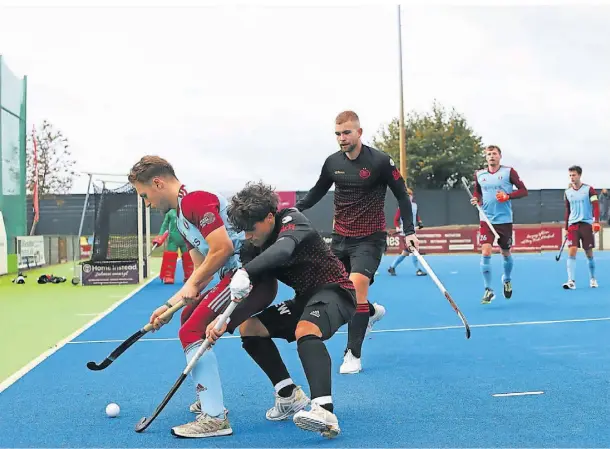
[(441, 148), (55, 173)]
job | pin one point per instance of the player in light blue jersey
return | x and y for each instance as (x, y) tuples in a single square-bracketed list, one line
[(213, 245), (582, 221), (494, 191), (399, 231)]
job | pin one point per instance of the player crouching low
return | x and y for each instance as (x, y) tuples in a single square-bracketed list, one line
[(285, 245), (582, 221), (399, 231)]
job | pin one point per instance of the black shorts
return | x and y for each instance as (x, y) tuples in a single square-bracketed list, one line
[(360, 254), (329, 308)]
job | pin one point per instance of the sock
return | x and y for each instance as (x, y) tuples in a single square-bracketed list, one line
[(571, 267), (207, 381), (266, 355), (415, 262), (591, 261), (356, 329), (397, 261), (317, 366), (508, 266), (371, 309), (486, 270)]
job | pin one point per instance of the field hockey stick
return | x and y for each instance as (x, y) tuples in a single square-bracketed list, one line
[(558, 256), (224, 317), (131, 340), (442, 288), (481, 213)]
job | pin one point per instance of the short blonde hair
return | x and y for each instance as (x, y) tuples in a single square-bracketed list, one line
[(347, 116), (148, 168)]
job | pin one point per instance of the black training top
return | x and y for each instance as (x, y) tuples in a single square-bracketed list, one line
[(360, 189), (296, 255)]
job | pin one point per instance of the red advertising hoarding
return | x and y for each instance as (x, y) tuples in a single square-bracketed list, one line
[(461, 239)]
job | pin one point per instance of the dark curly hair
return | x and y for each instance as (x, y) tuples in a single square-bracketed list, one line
[(251, 205)]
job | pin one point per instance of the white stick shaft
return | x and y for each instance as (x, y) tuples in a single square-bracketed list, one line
[(429, 270)]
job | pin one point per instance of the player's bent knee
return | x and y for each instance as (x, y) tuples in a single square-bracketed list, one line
[(305, 328), (361, 283), (188, 336), (486, 249), (253, 327)]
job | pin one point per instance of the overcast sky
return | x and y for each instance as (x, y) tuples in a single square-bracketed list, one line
[(231, 94)]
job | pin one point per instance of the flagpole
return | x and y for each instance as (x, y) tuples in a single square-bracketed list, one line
[(401, 123), (35, 186)]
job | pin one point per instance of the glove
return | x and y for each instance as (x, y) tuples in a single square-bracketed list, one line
[(502, 197), (160, 239), (420, 225), (240, 285), (596, 227)]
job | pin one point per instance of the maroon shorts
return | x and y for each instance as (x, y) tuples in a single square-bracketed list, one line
[(196, 316), (505, 231), (580, 235)]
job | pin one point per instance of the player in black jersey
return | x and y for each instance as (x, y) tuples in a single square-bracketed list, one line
[(361, 175), (283, 244)]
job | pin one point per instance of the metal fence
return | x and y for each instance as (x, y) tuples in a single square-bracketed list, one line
[(60, 214)]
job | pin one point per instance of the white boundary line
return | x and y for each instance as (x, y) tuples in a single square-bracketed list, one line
[(33, 363), (383, 331)]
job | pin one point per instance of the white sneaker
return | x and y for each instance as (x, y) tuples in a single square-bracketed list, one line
[(570, 285), (285, 407), (318, 419), (351, 364), (593, 283), (378, 315), (204, 426)]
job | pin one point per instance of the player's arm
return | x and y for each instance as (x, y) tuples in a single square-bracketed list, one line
[(201, 209), (477, 193), (595, 203), (521, 191), (397, 219), (295, 228), (567, 213), (165, 224), (397, 185), (318, 191)]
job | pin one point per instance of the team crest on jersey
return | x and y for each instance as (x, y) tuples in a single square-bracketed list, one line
[(286, 219), (186, 223), (365, 173), (208, 218)]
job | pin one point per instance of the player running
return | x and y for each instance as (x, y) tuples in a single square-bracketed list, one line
[(285, 245), (405, 253), (494, 192), (212, 243), (361, 175), (582, 220)]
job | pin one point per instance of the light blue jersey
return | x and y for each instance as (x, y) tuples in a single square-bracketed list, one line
[(488, 184), (579, 203), (200, 213)]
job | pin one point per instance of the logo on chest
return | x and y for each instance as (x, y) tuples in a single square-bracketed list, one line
[(365, 173)]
